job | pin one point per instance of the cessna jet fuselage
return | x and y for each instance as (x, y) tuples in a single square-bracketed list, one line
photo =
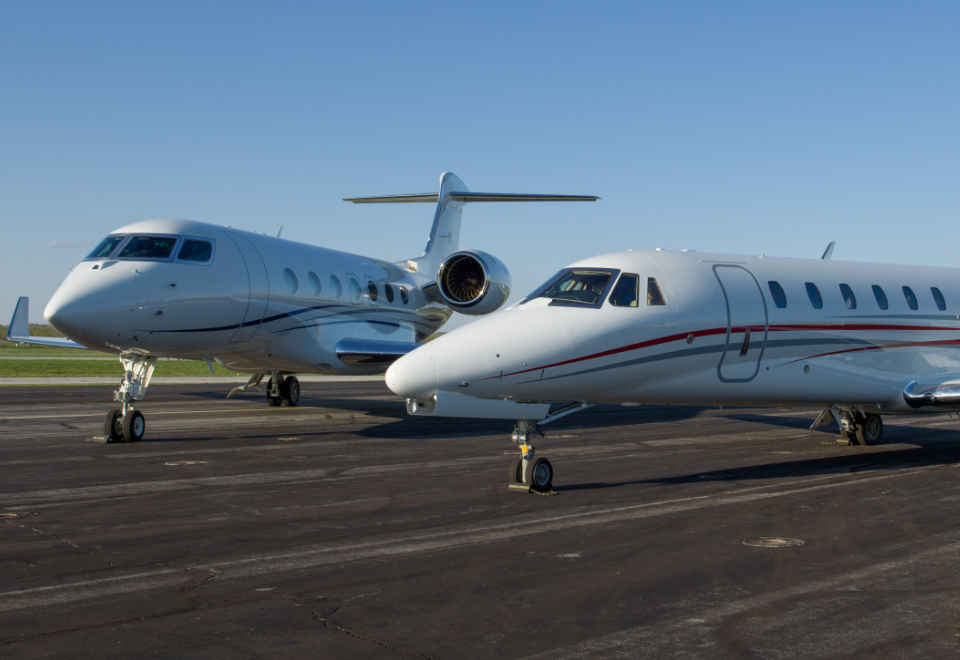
[(637, 327)]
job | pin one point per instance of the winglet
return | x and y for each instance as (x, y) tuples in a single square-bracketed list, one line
[(19, 330), (829, 251)]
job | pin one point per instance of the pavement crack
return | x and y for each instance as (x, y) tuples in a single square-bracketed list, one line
[(193, 586), (59, 538)]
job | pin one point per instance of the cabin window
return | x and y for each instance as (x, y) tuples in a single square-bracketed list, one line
[(335, 287), (314, 283), (814, 293), (880, 296), (373, 291), (578, 286), (148, 247), (779, 297), (354, 289), (911, 298), (848, 296), (654, 294), (388, 291), (938, 298), (626, 292), (290, 280), (403, 295), (195, 250), (106, 246)]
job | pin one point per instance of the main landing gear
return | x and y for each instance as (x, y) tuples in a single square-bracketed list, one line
[(860, 429), (126, 424), (280, 389), (856, 426)]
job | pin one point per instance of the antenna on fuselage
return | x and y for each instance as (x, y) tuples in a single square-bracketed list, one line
[(829, 251), (280, 232)]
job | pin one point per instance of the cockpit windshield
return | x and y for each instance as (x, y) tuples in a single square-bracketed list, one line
[(106, 246), (148, 247), (577, 286)]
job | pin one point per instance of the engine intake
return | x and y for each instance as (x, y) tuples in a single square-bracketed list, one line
[(473, 282)]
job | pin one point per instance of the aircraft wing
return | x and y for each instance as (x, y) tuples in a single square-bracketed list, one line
[(368, 351), (943, 393), (19, 329)]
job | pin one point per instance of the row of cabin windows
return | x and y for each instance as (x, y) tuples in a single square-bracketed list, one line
[(780, 298), (336, 289)]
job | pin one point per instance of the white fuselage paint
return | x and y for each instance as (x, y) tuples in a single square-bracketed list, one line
[(689, 350), (239, 309)]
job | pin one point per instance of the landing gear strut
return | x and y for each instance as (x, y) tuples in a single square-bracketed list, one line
[(126, 424)]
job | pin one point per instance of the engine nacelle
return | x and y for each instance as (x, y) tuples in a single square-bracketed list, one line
[(473, 282)]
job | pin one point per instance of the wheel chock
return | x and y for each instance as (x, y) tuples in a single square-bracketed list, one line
[(100, 439), (526, 488)]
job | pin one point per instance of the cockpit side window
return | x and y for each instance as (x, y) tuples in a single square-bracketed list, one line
[(106, 246), (578, 287), (626, 292), (195, 250), (148, 247), (654, 294)]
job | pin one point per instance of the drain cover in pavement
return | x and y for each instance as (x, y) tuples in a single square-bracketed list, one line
[(773, 542)]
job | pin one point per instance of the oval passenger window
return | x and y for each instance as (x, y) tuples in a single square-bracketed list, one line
[(403, 295), (374, 291), (354, 288), (880, 296), (335, 287), (779, 297), (314, 283), (388, 291), (290, 280)]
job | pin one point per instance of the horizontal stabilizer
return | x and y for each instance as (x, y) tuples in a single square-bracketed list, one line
[(470, 197), (19, 329)]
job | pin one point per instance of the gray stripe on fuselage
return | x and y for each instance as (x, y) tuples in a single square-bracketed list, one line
[(705, 350)]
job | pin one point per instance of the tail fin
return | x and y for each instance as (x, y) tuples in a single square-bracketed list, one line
[(445, 234)]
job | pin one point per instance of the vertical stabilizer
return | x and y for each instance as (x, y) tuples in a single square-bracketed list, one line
[(445, 234)]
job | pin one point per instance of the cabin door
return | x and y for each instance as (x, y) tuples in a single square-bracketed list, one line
[(259, 289), (746, 324)]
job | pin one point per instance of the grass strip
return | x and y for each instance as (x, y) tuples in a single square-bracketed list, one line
[(94, 368)]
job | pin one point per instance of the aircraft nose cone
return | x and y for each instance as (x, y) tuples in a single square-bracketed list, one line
[(414, 376)]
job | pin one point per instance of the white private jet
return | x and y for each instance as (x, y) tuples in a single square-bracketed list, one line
[(678, 327), (263, 305)]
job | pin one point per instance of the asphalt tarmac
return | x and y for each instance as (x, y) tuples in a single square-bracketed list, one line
[(344, 529)]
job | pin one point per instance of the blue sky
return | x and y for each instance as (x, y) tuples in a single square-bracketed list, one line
[(731, 127)]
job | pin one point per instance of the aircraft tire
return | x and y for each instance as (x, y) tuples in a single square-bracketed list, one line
[(290, 390), (539, 475), (113, 426), (870, 430), (516, 471), (134, 427)]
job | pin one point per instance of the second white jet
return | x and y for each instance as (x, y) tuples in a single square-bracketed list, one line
[(678, 327)]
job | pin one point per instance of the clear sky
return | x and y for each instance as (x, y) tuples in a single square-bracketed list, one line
[(769, 127)]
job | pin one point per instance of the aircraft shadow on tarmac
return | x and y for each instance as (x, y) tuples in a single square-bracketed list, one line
[(926, 447), (601, 416)]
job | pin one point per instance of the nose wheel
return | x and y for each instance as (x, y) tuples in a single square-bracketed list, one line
[(526, 471), (283, 390), (126, 424)]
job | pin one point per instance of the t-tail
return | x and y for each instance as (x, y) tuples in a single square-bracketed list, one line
[(453, 195)]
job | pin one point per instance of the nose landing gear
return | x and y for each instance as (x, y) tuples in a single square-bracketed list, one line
[(126, 424), (534, 474), (283, 390)]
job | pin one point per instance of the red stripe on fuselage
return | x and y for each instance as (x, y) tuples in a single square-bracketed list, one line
[(843, 327)]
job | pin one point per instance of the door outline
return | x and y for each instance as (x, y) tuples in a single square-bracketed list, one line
[(766, 325)]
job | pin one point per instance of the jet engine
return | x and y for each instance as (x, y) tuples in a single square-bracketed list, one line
[(473, 282)]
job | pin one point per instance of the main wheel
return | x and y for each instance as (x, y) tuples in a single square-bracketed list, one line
[(134, 426), (516, 470), (539, 475), (113, 426), (272, 400), (870, 430), (290, 390)]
